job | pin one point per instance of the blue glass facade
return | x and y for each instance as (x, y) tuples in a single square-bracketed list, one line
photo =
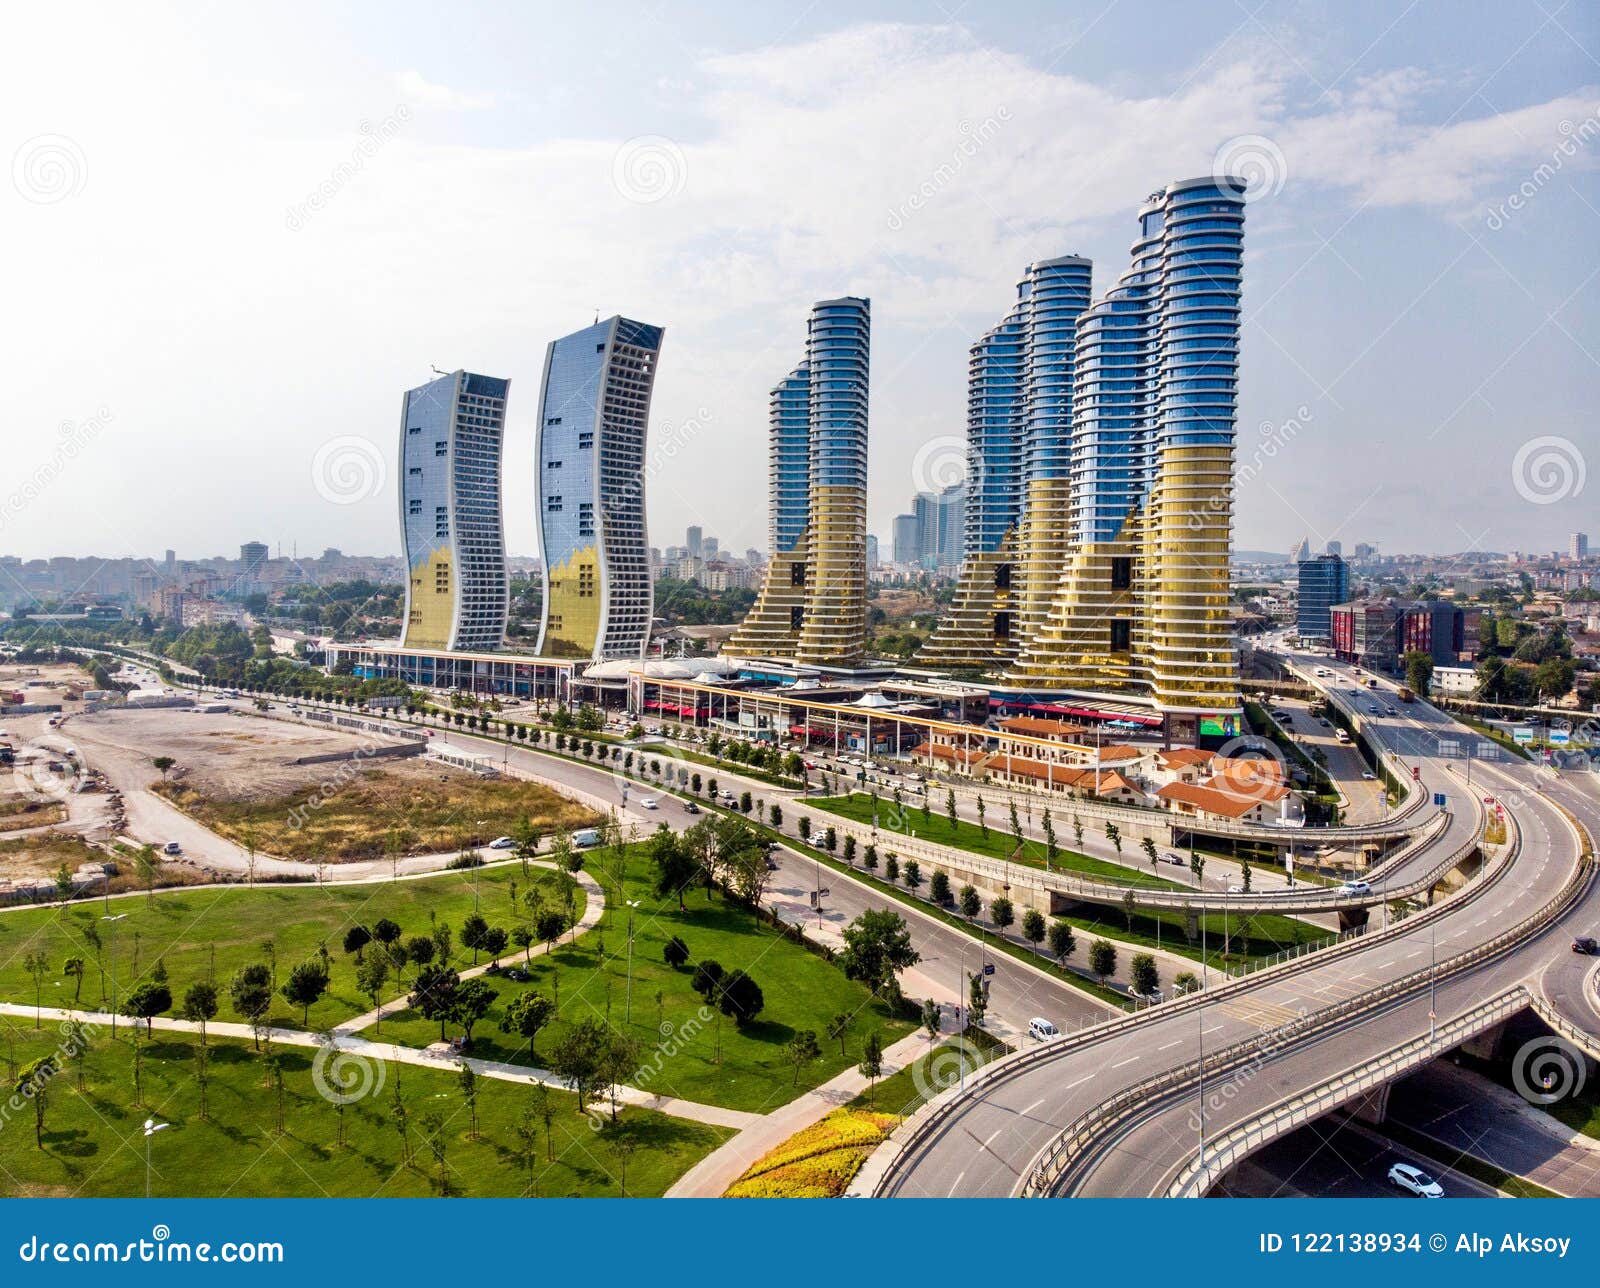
[(995, 397), (1324, 582), (1054, 292), (789, 459)]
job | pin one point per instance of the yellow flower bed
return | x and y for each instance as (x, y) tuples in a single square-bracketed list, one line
[(818, 1162)]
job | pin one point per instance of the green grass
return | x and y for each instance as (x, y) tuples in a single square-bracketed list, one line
[(1265, 934), (680, 1038), (93, 1145), (998, 844), (184, 927)]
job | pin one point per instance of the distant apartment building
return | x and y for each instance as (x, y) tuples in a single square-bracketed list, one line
[(594, 410), (1323, 581), (693, 539), (1377, 633), (905, 541), (1578, 546), (452, 432)]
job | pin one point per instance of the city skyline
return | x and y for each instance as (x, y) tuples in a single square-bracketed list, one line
[(1388, 203)]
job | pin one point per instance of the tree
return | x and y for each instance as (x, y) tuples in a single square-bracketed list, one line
[(891, 869), (305, 986), (1419, 671), (739, 997), (913, 874), (371, 976), (676, 864), (1103, 958), (1114, 835), (250, 992), (471, 1003), (869, 857), (1063, 943), (163, 765), (939, 888), (803, 1048), (526, 1015), (577, 1057), (950, 809), (1143, 974), (419, 951), (1149, 846), (877, 947), (619, 1063), (73, 968), (33, 1083), (977, 998), (838, 1026), (1077, 831), (849, 849), (775, 813), (472, 932), (386, 932), (983, 825), (930, 1018), (1002, 912), (1185, 982), (551, 922), (146, 1001), (1033, 928), (200, 1005), (467, 1080), (433, 994), (971, 905), (356, 940), (706, 976), (675, 953), (871, 1066), (494, 943)]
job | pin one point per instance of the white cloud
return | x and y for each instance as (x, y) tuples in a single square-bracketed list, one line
[(416, 89)]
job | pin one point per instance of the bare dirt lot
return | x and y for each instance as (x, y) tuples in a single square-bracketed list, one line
[(235, 773)]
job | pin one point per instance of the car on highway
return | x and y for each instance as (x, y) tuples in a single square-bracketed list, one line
[(1355, 888), (1041, 1030), (1177, 860), (1586, 944), (1415, 1181), (1367, 775), (502, 843), (689, 807), (172, 847), (649, 802)]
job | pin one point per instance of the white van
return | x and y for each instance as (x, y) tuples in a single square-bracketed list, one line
[(584, 837), (1042, 1030)]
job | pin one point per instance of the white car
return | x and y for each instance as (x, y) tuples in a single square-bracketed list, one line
[(1368, 776), (1042, 1030), (502, 843), (1415, 1181), (1355, 888), (649, 802)]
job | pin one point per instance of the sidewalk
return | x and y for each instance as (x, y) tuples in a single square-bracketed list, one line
[(712, 1175)]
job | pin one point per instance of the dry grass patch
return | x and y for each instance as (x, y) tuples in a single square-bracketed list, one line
[(421, 808)]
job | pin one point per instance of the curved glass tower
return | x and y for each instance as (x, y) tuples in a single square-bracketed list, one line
[(812, 606), (451, 433), (594, 410), (1142, 605)]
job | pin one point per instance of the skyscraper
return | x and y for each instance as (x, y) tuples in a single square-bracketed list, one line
[(594, 410), (1142, 606), (1019, 414), (1323, 581), (1578, 546), (905, 542), (692, 539), (451, 433), (812, 606)]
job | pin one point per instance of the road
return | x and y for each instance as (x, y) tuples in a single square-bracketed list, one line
[(990, 1143)]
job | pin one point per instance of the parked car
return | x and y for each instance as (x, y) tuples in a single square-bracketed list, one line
[(502, 843), (1041, 1030), (1586, 944), (1415, 1181)]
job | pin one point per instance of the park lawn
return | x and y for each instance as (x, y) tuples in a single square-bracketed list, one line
[(999, 844), (1264, 935), (93, 1145), (183, 927), (679, 1039), (380, 808)]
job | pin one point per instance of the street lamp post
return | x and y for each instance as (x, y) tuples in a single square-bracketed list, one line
[(121, 916), (151, 1127)]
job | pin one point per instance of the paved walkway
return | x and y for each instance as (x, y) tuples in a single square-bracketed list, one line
[(429, 1058), (711, 1176)]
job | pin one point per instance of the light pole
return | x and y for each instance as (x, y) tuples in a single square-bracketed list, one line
[(121, 916), (151, 1127), (961, 1001), (1200, 1011), (1433, 980), (628, 1003)]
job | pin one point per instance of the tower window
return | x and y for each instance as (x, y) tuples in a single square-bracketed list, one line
[(1121, 634), (796, 615), (1121, 572)]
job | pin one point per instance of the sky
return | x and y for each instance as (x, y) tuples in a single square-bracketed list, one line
[(231, 238)]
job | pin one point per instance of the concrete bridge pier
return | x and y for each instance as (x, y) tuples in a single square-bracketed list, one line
[(1373, 1107), (1353, 918)]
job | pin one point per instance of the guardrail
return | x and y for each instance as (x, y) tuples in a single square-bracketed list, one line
[(1199, 1173), (1064, 1157), (932, 1116), (1583, 1040)]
